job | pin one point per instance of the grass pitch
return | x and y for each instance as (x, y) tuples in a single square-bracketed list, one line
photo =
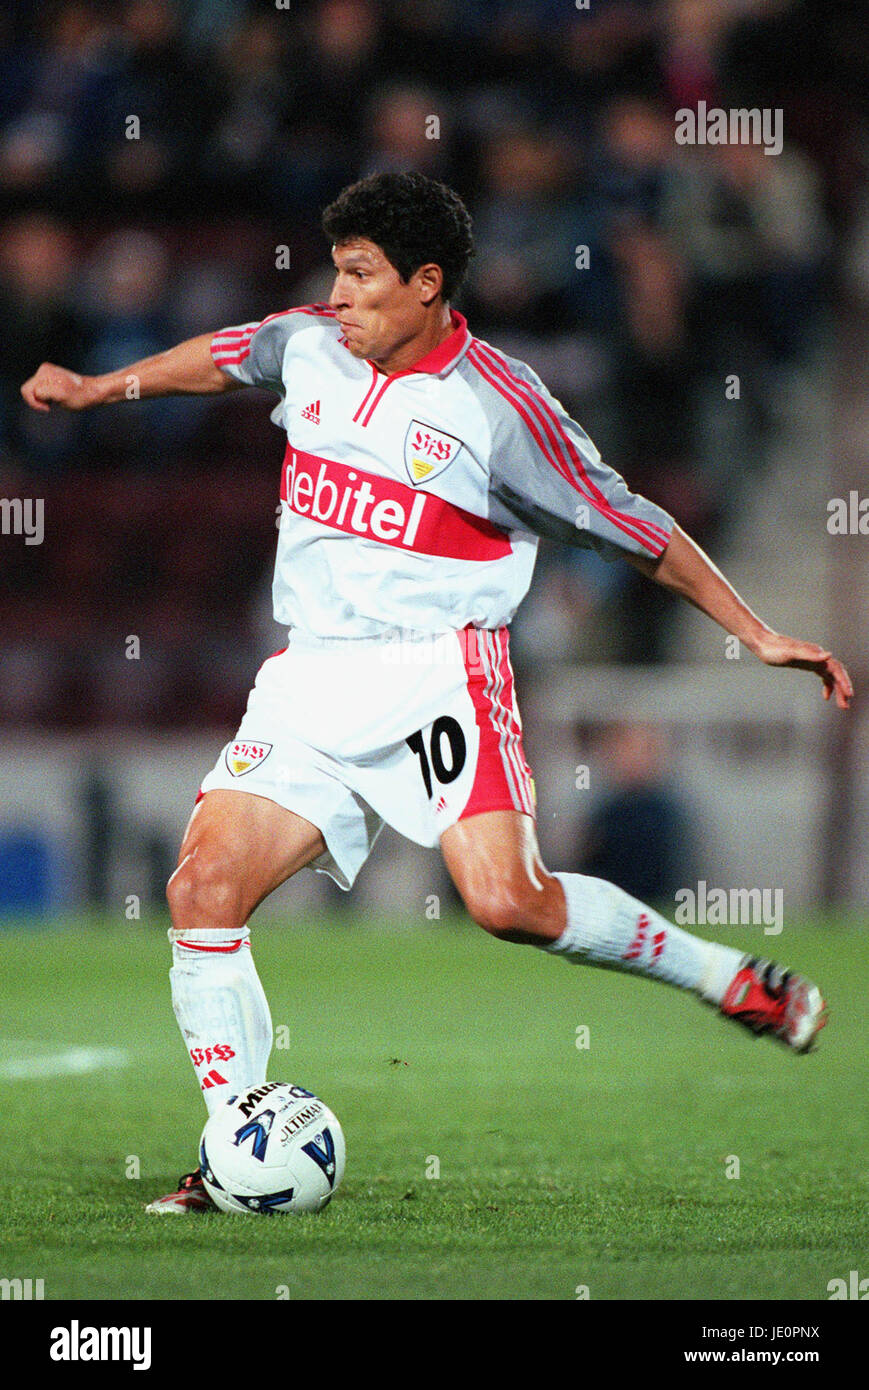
[(561, 1167)]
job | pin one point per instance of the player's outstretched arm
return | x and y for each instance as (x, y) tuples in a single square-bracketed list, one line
[(686, 570), (185, 370)]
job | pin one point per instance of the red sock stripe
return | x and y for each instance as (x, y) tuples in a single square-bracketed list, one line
[(635, 950), (228, 949)]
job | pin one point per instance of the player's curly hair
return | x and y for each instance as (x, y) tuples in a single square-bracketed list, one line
[(413, 219)]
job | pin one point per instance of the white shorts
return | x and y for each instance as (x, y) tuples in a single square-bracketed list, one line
[(353, 734)]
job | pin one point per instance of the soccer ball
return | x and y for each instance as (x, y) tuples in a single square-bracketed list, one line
[(272, 1148)]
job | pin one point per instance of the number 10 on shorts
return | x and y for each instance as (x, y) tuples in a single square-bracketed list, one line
[(445, 755)]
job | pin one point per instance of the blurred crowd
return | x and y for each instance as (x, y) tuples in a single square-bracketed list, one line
[(163, 164)]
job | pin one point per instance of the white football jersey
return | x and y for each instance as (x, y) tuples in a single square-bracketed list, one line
[(414, 501)]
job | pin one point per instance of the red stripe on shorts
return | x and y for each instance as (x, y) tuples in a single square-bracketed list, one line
[(503, 778)]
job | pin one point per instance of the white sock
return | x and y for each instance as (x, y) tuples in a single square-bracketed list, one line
[(606, 926), (221, 1009)]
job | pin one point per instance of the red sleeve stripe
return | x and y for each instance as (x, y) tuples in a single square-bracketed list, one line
[(649, 528), (231, 346), (230, 341), (653, 537), (560, 450), (516, 398)]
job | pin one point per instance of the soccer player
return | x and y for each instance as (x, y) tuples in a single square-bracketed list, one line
[(421, 467)]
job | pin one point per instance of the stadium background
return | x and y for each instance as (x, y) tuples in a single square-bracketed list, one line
[(661, 758)]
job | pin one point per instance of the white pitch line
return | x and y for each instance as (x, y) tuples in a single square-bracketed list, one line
[(73, 1061)]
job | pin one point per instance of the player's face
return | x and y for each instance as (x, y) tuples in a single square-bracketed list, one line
[(377, 311)]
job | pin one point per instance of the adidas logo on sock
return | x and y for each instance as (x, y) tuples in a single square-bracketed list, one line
[(213, 1078), (312, 412)]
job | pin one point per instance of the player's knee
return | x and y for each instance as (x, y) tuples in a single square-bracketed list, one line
[(502, 911), (203, 892)]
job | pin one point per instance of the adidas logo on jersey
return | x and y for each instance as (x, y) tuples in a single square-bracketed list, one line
[(312, 412)]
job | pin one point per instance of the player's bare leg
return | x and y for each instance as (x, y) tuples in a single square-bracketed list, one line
[(495, 863), (237, 849)]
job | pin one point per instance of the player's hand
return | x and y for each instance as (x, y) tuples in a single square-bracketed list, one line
[(778, 650), (52, 385)]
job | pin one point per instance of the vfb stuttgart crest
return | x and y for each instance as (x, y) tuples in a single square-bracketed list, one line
[(428, 451), (241, 756)]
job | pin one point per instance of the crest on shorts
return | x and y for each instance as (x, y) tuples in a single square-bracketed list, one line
[(242, 755), (428, 451)]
